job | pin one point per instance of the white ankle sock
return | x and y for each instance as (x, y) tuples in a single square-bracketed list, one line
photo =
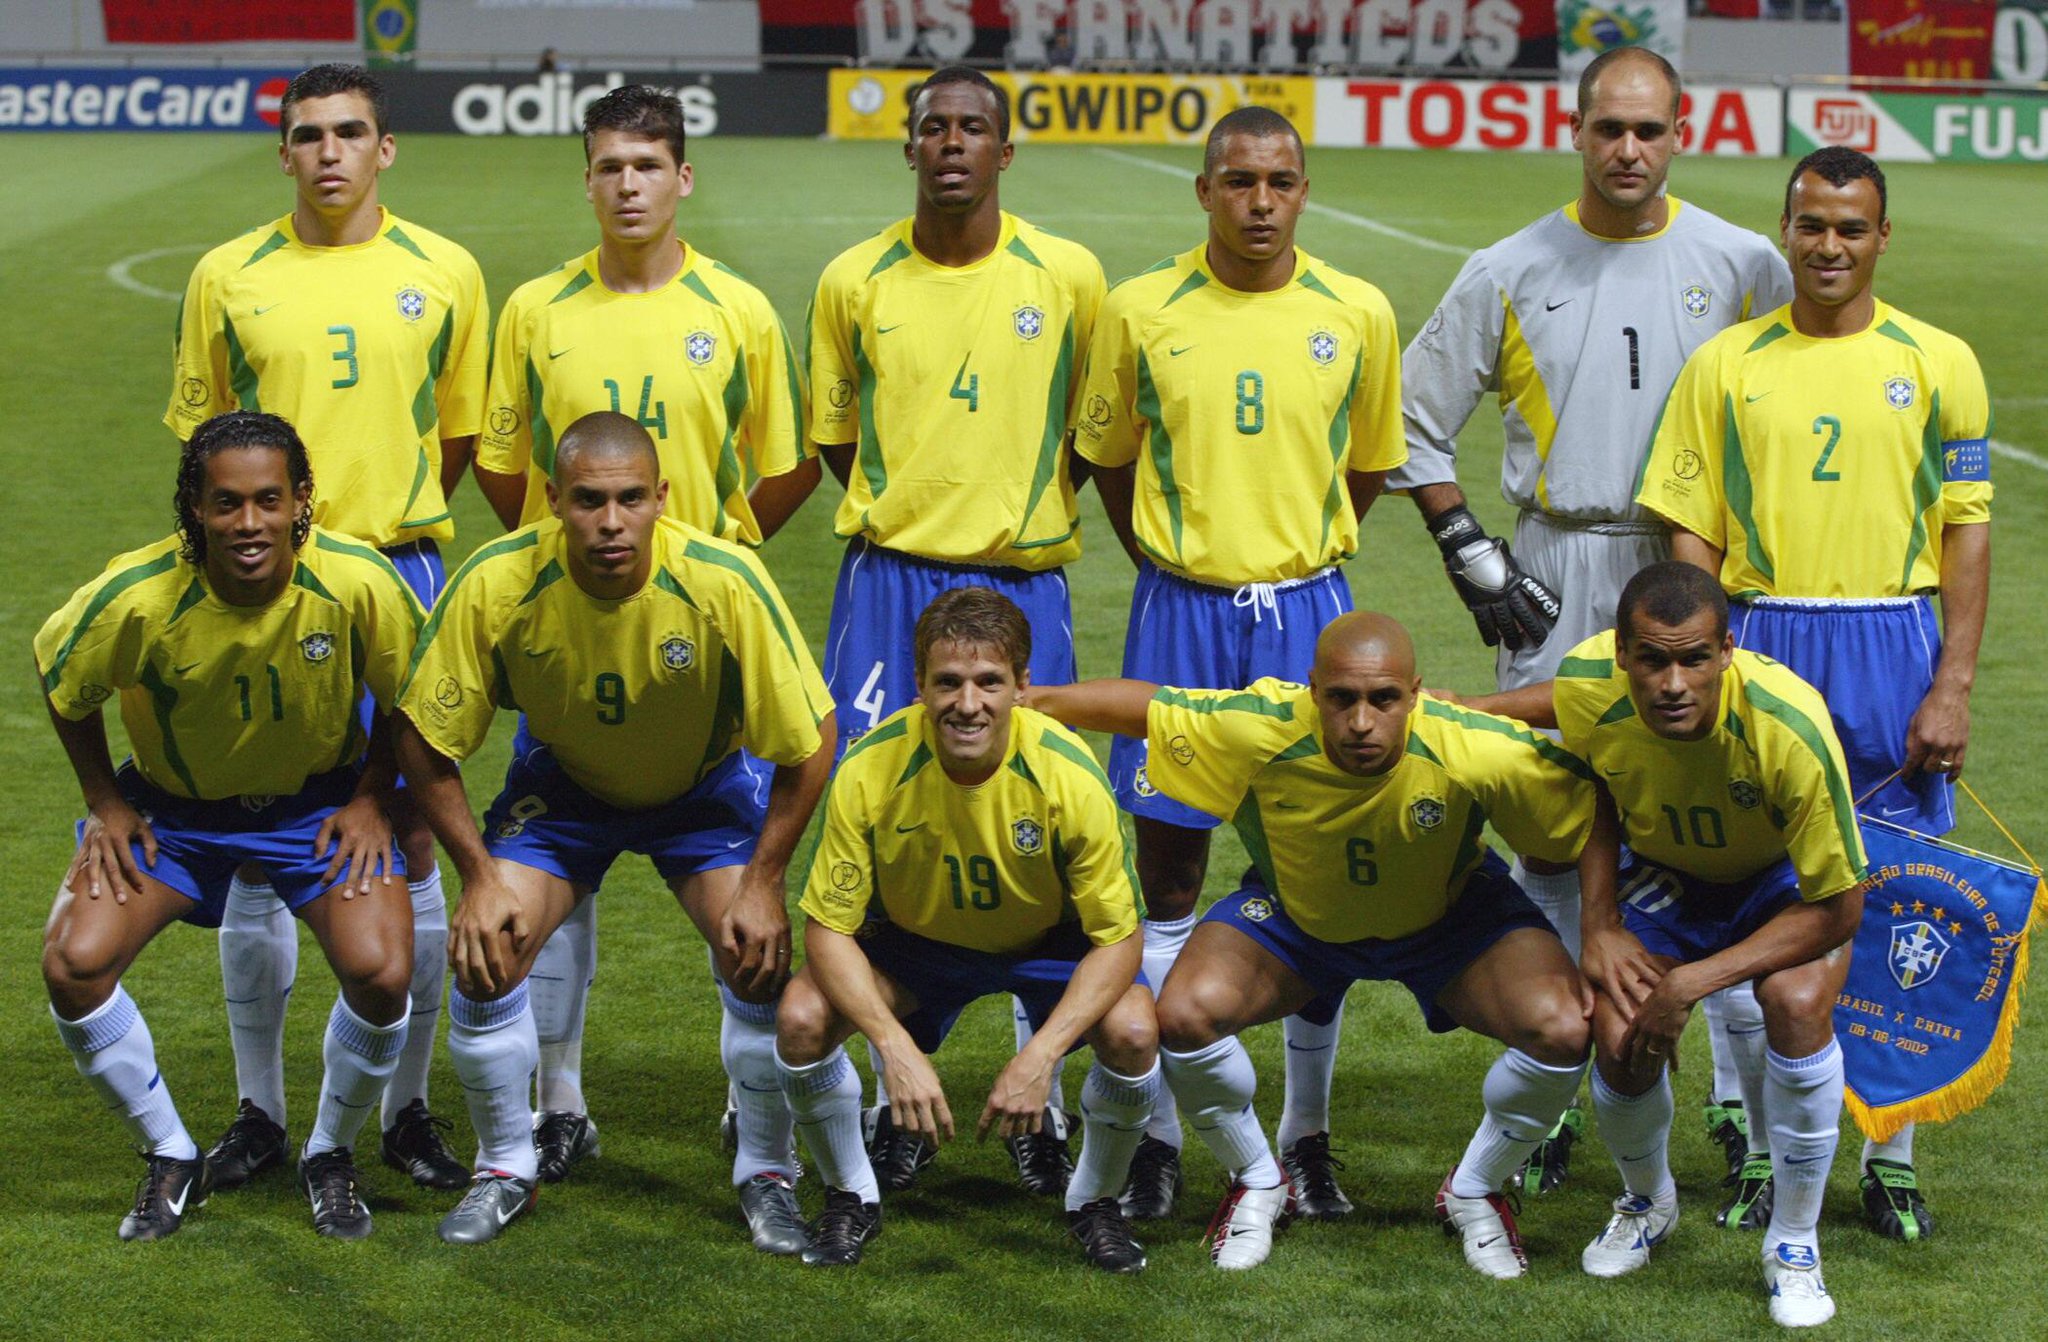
[(1637, 1130), (1163, 940), (824, 1097), (429, 977), (1216, 1085), (1311, 1066), (746, 1045), (1114, 1109), (1806, 1116), (116, 1056), (560, 984), (1523, 1100), (259, 959), (360, 1058), (495, 1051)]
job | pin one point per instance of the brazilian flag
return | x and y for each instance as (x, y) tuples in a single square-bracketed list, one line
[(391, 30)]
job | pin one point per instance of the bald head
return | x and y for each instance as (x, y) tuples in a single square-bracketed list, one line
[(1618, 61), (604, 435), (1366, 636)]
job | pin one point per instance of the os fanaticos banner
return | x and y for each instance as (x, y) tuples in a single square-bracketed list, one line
[(1447, 114), (1267, 36), (1918, 127), (1921, 39), (2019, 42), (182, 22), (1079, 108)]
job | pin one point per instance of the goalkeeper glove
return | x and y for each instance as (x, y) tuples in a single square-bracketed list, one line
[(1508, 605)]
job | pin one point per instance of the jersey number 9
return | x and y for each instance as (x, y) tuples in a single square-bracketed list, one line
[(980, 887)]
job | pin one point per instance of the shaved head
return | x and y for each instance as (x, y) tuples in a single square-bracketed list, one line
[(604, 435), (1366, 636)]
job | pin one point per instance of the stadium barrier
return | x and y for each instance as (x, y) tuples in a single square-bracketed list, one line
[(1919, 127), (66, 98), (771, 102)]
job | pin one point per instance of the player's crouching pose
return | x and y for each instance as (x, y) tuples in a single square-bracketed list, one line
[(1360, 801), (644, 654), (1743, 864), (240, 648), (971, 847)]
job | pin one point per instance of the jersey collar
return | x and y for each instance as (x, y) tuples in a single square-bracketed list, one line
[(384, 224), (1004, 237), (1674, 204), (1199, 257)]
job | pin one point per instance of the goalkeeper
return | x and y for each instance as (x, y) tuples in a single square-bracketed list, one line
[(1579, 324)]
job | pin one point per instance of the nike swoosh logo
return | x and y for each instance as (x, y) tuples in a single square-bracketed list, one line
[(1488, 1243), (1896, 810), (1614, 773), (910, 829), (884, 330), (1287, 806), (1176, 353), (503, 1215), (535, 652), (1552, 307), (192, 666), (258, 312), (554, 354), (1795, 1160), (1752, 400), (177, 1205)]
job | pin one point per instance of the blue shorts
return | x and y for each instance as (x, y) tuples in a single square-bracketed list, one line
[(545, 820), (1424, 962), (200, 843), (1873, 661), (419, 563), (1198, 637), (1688, 919), (945, 978), (870, 642)]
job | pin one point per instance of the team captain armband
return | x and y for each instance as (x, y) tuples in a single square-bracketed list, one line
[(1965, 461)]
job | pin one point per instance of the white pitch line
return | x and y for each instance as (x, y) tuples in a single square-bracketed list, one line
[(119, 271), (2020, 454), (1313, 207)]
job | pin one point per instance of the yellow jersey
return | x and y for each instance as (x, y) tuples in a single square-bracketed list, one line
[(992, 867), (1768, 782), (1244, 412), (703, 363), (957, 385), (638, 698), (1825, 467), (1349, 857), (233, 701), (375, 353)]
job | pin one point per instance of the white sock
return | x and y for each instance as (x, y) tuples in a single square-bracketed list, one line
[(1163, 941), (429, 975), (116, 1056), (875, 1066), (1523, 1099), (746, 1044), (1217, 1085), (1114, 1109), (824, 1097), (495, 1051), (259, 959), (1057, 1096), (1558, 897), (560, 983), (1311, 1065), (1737, 1033), (1898, 1147), (1806, 1116), (360, 1058), (1637, 1130)]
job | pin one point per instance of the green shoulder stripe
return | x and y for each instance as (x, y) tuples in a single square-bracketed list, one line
[(113, 587), (575, 286), (696, 285), (1314, 284), (918, 759), (1621, 710), (888, 731), (1018, 249), (303, 576), (1483, 722), (518, 540), (1187, 286), (1776, 331), (399, 236), (1243, 702), (898, 251), (1809, 734), (1892, 330), (270, 244), (1302, 749), (706, 554), (329, 542), (1059, 745), (1586, 668)]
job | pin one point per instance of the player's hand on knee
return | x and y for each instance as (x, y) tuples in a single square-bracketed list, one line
[(1016, 1104), (1651, 1040), (486, 934), (359, 836), (917, 1103), (106, 851), (1616, 964), (1939, 735), (755, 934), (1507, 604)]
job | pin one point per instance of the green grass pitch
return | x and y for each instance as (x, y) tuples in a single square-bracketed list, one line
[(647, 1240)]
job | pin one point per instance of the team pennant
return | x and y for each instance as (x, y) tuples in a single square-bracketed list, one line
[(1933, 994)]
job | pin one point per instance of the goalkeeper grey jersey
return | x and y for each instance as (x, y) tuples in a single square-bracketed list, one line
[(1581, 337)]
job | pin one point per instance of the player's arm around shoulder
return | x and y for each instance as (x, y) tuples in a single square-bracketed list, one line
[(1204, 746), (1538, 795)]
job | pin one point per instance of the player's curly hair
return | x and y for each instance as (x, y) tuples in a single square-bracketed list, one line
[(639, 110), (227, 433), (324, 81), (1838, 165), (966, 74), (1670, 592), (979, 617)]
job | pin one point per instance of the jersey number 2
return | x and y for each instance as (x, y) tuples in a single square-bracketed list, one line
[(1832, 427)]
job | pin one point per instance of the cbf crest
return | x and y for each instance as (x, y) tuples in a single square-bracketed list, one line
[(1427, 813), (699, 346), (1745, 794), (1697, 300), (1898, 393), (1027, 836), (412, 304), (1255, 910), (1029, 321), (1917, 952), (678, 653), (1322, 347), (317, 647)]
